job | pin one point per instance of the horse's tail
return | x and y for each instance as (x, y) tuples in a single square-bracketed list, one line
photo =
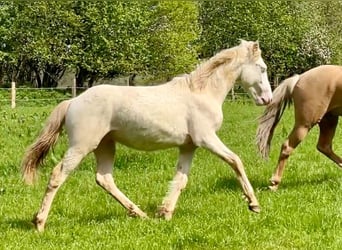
[(282, 97), (36, 153)]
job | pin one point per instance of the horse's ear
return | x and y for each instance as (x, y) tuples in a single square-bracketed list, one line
[(255, 47), (243, 42)]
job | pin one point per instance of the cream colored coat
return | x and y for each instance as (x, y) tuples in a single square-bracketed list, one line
[(184, 113)]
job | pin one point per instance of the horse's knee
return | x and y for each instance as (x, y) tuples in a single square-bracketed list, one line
[(99, 180), (322, 148), (56, 177), (285, 151), (324, 144), (104, 181), (180, 181), (232, 159), (184, 181)]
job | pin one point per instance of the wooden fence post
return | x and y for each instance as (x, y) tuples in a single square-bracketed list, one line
[(233, 94), (13, 95), (276, 82), (73, 89)]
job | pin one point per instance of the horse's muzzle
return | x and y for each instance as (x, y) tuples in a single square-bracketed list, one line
[(266, 100), (262, 101)]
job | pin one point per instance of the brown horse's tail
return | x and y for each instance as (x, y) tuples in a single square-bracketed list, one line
[(282, 97), (36, 153)]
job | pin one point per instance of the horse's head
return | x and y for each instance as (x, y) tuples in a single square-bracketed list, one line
[(254, 74)]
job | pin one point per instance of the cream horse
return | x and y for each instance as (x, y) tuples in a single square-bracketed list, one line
[(185, 113)]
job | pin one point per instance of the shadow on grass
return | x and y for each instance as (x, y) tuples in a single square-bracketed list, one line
[(21, 224), (99, 218), (226, 183), (298, 183), (301, 183)]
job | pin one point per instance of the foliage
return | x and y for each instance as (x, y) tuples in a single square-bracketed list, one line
[(304, 214), (96, 38), (292, 41), (36, 40), (41, 39), (176, 23), (328, 21)]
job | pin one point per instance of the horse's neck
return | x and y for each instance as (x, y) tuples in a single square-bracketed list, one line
[(220, 85)]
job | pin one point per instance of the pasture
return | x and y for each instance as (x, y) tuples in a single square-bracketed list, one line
[(305, 213)]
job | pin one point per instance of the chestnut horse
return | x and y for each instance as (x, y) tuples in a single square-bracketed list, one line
[(185, 113), (317, 99)]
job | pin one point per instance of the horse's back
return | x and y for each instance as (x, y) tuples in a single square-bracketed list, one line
[(324, 74), (319, 81), (318, 90)]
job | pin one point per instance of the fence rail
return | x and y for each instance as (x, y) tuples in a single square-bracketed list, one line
[(13, 96)]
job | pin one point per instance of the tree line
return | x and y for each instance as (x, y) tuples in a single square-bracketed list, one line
[(40, 40)]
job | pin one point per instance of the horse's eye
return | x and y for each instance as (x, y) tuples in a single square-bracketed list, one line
[(262, 69)]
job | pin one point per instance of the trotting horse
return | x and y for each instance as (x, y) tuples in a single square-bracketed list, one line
[(185, 113), (317, 98)]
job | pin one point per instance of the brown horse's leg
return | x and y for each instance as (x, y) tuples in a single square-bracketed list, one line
[(58, 176), (178, 183), (216, 146), (296, 136), (104, 154), (327, 128)]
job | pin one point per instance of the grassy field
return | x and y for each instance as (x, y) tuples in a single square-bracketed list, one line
[(305, 213)]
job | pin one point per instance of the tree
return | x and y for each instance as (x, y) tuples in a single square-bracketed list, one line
[(37, 39), (146, 37), (286, 30), (41, 39)]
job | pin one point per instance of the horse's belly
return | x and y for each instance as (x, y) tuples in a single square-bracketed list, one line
[(150, 127), (148, 140), (337, 111)]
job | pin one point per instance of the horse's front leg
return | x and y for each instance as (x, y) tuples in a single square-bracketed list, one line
[(178, 183), (216, 146)]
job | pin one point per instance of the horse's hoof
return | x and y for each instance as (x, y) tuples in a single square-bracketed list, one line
[(139, 214), (164, 213), (40, 228), (254, 208), (273, 187), (39, 225)]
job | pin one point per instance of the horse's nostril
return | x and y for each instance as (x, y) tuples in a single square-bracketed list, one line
[(266, 101)]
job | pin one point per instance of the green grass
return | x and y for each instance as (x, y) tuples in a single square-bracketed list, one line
[(305, 213)]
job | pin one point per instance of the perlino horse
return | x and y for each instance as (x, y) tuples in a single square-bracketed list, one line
[(185, 113), (317, 98)]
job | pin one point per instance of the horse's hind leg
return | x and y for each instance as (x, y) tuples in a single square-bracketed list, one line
[(178, 183), (216, 146), (59, 174), (327, 128), (297, 134), (104, 154)]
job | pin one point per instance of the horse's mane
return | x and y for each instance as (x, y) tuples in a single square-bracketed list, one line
[(198, 79)]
